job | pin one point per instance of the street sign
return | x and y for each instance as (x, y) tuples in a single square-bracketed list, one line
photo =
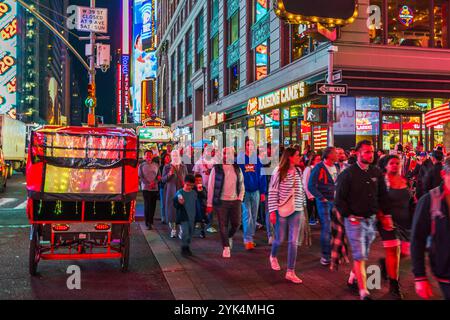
[(92, 19), (337, 76), (332, 89)]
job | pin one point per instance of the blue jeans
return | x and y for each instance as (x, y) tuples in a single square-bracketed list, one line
[(250, 214), (360, 235), (324, 211), (291, 225), (161, 203)]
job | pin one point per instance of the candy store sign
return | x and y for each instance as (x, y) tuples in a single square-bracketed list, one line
[(283, 95), (406, 16)]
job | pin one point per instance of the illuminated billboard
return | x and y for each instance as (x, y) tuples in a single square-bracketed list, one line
[(8, 43), (144, 45)]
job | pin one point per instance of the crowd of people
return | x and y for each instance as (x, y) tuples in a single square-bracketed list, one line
[(403, 196)]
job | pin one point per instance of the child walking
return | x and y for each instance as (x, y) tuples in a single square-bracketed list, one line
[(200, 216), (185, 204)]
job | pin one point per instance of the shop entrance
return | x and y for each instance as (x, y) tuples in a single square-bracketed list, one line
[(402, 128)]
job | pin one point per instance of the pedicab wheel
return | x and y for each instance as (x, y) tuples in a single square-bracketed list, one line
[(34, 250), (125, 247)]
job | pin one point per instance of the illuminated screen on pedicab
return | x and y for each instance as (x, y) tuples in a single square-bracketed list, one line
[(89, 163)]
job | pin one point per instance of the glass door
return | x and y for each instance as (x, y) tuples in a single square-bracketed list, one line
[(390, 131), (411, 130)]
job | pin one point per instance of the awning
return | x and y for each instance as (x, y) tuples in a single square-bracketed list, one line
[(439, 115)]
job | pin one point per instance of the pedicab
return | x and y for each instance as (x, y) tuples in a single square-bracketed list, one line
[(82, 184)]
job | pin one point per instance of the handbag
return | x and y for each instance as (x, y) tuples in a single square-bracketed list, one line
[(288, 207)]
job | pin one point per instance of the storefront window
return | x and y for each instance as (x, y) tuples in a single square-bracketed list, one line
[(406, 104), (441, 20), (367, 124), (367, 103)]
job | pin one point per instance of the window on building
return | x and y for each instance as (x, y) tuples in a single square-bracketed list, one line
[(262, 60), (173, 87), (261, 52), (233, 24), (214, 68), (180, 81), (200, 42), (234, 77), (214, 89), (418, 23), (233, 36), (302, 43)]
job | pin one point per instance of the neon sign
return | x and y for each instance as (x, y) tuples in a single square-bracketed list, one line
[(406, 16)]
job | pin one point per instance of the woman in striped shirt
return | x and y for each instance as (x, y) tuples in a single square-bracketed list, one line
[(286, 206)]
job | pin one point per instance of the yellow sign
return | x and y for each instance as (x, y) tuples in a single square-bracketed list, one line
[(284, 95)]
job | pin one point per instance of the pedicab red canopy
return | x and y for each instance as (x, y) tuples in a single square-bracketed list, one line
[(82, 164)]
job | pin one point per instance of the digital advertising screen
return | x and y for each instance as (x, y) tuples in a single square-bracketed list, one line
[(8, 55), (144, 45)]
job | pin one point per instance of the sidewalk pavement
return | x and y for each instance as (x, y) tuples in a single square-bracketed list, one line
[(247, 274)]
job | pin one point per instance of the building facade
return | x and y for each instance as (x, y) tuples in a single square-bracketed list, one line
[(230, 64), (44, 77)]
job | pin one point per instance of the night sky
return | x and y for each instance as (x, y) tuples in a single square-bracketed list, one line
[(105, 81)]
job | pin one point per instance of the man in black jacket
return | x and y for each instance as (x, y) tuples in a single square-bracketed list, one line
[(433, 177), (431, 219), (359, 194), (423, 165)]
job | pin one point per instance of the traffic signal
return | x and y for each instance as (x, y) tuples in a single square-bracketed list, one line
[(91, 100)]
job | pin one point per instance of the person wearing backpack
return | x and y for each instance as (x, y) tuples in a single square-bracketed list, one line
[(286, 206), (431, 233)]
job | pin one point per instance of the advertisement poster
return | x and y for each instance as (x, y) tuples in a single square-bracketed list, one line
[(345, 117), (8, 43), (144, 44)]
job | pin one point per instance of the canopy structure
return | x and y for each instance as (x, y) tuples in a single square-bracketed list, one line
[(80, 163), (439, 115)]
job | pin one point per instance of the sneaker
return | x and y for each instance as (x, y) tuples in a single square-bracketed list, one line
[(312, 222), (226, 252), (173, 233), (230, 241), (325, 262), (211, 230), (249, 246), (291, 276), (202, 234), (394, 289), (270, 240), (274, 263), (353, 287)]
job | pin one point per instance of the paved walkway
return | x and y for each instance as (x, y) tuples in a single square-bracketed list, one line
[(247, 275)]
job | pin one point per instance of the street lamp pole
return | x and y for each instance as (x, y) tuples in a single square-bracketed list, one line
[(91, 115)]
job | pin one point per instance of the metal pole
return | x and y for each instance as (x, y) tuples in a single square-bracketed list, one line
[(92, 65), (330, 98)]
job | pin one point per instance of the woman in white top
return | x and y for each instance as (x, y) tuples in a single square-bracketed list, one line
[(310, 201), (286, 207)]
